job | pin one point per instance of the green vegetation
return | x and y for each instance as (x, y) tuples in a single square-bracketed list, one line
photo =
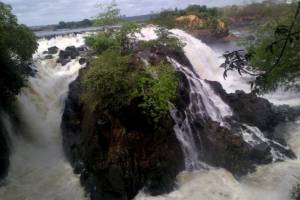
[(208, 16), (110, 15), (158, 92), (116, 78), (72, 25), (17, 44), (274, 56), (257, 13)]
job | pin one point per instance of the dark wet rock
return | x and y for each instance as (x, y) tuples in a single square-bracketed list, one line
[(45, 52), (239, 155), (72, 52), (254, 110), (53, 50), (48, 57), (82, 61), (261, 151), (67, 55), (82, 48)]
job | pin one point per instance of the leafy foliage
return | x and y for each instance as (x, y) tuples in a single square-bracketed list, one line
[(123, 38), (158, 92), (112, 81), (116, 77), (275, 53), (100, 42), (109, 81), (17, 44)]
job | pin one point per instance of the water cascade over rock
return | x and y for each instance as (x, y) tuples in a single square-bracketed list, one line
[(211, 140), (236, 140), (38, 168)]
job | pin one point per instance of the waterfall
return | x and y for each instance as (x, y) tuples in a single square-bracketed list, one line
[(204, 103), (272, 182), (38, 168)]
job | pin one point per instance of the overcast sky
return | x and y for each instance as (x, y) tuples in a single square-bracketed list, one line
[(41, 12)]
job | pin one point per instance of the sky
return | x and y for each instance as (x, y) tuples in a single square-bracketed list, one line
[(42, 12)]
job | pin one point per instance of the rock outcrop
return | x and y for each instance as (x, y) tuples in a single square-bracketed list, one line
[(69, 53), (118, 154)]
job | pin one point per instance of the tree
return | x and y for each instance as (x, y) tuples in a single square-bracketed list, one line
[(274, 57), (17, 44), (110, 14)]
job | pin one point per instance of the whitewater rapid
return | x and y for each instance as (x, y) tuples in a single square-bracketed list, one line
[(38, 168), (270, 182)]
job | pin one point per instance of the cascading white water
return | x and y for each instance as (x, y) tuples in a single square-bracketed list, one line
[(204, 103), (38, 168), (269, 182)]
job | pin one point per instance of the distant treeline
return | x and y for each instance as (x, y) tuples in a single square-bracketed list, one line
[(168, 18), (88, 23), (71, 25), (255, 12)]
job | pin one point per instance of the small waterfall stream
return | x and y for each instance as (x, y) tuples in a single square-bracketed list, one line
[(203, 104), (38, 168)]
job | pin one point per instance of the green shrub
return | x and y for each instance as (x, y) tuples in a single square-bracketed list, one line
[(109, 81), (158, 90), (112, 82), (100, 42)]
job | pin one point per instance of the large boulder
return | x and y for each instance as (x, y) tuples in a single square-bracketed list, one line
[(67, 55)]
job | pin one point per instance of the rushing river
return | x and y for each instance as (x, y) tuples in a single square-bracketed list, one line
[(39, 170)]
